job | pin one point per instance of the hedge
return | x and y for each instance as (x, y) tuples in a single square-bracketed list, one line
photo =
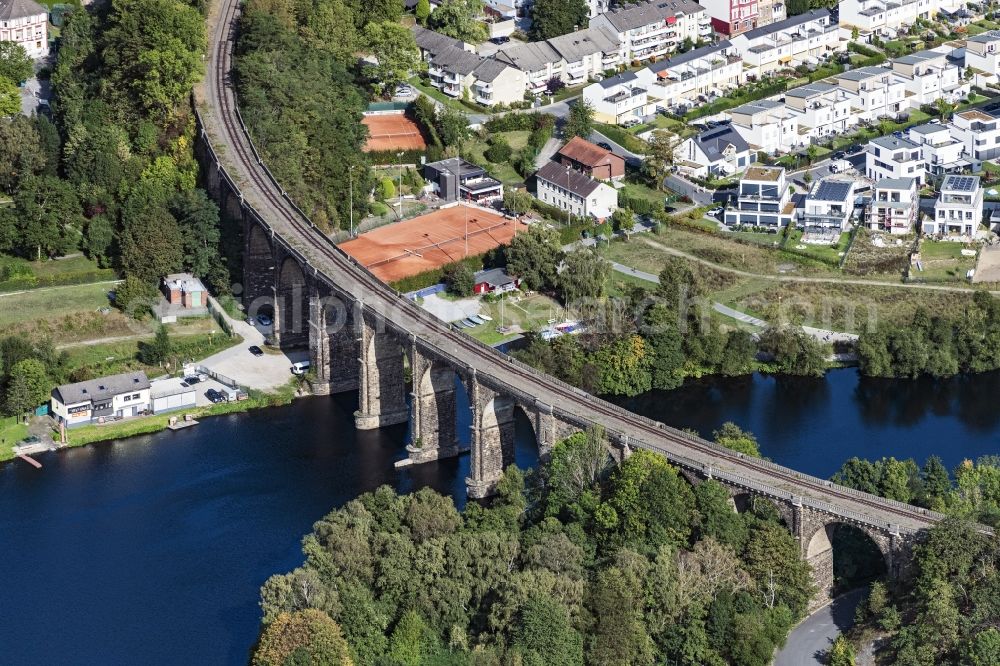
[(512, 122), (638, 205), (863, 50), (391, 157), (435, 276)]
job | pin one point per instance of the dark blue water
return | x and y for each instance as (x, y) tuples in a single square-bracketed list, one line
[(813, 425), (152, 550)]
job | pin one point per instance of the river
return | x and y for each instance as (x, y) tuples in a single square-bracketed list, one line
[(152, 550)]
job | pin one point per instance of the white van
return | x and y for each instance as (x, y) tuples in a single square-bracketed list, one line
[(300, 368)]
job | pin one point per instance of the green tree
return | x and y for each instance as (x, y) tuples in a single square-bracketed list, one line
[(304, 637), (661, 332), (21, 153), (733, 437), (618, 635), (584, 275), (516, 201), (660, 155), (545, 634), (28, 386), (534, 256), (794, 352), (623, 219), (460, 19), (406, 643), (841, 652), (422, 11), (459, 279), (499, 150), (157, 351), (49, 216), (396, 51), (452, 126), (10, 98), (716, 516), (386, 188), (151, 244), (677, 285), (624, 367), (551, 18), (580, 121), (15, 63), (198, 219), (135, 296)]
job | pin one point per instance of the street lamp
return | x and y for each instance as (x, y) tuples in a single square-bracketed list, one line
[(350, 175), (399, 163)]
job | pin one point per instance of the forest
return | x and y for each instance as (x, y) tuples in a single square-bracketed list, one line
[(581, 561)]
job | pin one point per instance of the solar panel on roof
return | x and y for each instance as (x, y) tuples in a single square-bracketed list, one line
[(963, 183)]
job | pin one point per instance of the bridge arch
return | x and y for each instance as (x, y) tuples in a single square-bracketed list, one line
[(258, 272), (292, 307), (844, 555)]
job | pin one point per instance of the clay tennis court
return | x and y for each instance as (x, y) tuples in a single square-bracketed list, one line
[(430, 241), (392, 131)]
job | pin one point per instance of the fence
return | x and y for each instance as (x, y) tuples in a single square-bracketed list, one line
[(426, 291), (220, 316)]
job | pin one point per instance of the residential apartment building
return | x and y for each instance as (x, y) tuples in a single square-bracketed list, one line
[(823, 109), (763, 199), (732, 17), (719, 151), (767, 125), (884, 17), (27, 23), (877, 92), (538, 60), (894, 206), (457, 180), (929, 76), (940, 151), (454, 68), (770, 11), (828, 206), (893, 157), (959, 207), (979, 133), (118, 396), (591, 159), (794, 41), (618, 99), (586, 53), (982, 54), (685, 77), (575, 192), (650, 30)]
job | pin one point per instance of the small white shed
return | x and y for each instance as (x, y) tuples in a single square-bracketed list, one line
[(169, 394)]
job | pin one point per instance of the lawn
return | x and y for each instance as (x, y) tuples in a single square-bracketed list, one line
[(622, 137), (11, 432), (18, 274), (830, 254), (51, 303), (505, 173), (943, 261)]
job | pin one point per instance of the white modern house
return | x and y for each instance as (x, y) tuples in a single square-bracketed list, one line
[(574, 191), (717, 151), (893, 157), (979, 133), (618, 99), (828, 206), (959, 207), (824, 109), (682, 79), (768, 125), (982, 54), (929, 76), (894, 206), (940, 151), (763, 200), (885, 17), (877, 92), (650, 30), (797, 40), (117, 396), (27, 23)]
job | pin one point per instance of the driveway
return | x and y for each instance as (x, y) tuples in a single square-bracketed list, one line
[(809, 642), (447, 310), (633, 159)]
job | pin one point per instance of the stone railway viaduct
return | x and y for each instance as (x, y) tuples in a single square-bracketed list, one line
[(362, 336)]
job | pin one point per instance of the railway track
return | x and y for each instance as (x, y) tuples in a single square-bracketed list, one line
[(677, 446)]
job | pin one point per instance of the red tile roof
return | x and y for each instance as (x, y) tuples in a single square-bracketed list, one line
[(584, 152)]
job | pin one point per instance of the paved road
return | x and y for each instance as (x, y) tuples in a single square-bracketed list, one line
[(809, 642), (633, 159)]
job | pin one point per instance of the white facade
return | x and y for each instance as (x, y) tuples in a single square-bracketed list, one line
[(788, 43), (117, 396), (928, 76), (650, 30), (959, 207), (979, 133), (702, 72), (829, 206), (768, 125), (879, 16), (892, 157), (824, 109), (763, 200), (27, 23), (982, 53), (894, 206), (940, 151), (718, 151), (876, 92), (618, 99), (575, 192)]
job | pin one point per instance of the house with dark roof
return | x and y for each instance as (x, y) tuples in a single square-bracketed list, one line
[(25, 22), (455, 179), (797, 40), (650, 30), (829, 206), (683, 78), (591, 159), (454, 68), (494, 281), (574, 191), (106, 398), (719, 151), (618, 99)]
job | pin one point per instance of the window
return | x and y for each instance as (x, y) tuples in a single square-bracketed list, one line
[(135, 396), (126, 398)]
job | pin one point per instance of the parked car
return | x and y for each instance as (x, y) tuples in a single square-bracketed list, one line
[(300, 368), (715, 212), (605, 145), (256, 351), (500, 40), (264, 320), (214, 396), (839, 155), (192, 380)]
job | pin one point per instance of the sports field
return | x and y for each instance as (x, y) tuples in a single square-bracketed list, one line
[(392, 131), (430, 241)]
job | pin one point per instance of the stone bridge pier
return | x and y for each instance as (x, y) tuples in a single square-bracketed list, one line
[(333, 344), (381, 377), (433, 408), (492, 437)]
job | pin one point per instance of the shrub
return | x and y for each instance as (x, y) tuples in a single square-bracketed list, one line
[(386, 188), (499, 151)]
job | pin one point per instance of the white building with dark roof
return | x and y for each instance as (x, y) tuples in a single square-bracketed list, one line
[(828, 206), (929, 76), (768, 125), (823, 109), (763, 200), (574, 191), (718, 151), (894, 207), (454, 68), (795, 41), (982, 54), (959, 207), (27, 23), (618, 99), (893, 157), (586, 53), (683, 78), (876, 92), (650, 30), (118, 396), (885, 17)]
